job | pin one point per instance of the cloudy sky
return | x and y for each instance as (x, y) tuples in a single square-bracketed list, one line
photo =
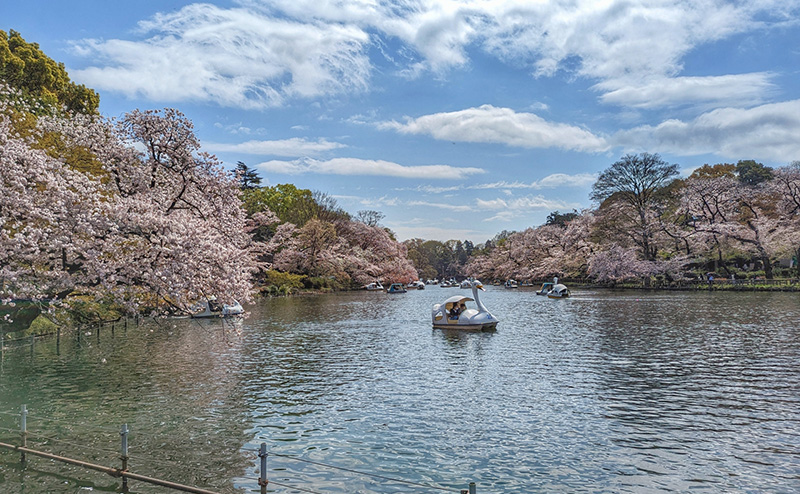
[(457, 119)]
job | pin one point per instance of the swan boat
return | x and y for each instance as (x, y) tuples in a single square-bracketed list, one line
[(212, 308), (396, 288), (472, 319), (375, 286), (559, 291), (545, 289)]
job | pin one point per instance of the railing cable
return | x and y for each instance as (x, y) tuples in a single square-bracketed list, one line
[(373, 475)]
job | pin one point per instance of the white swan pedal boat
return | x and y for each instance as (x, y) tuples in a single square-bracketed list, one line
[(479, 319), (212, 308)]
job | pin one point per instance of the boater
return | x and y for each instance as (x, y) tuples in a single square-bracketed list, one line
[(454, 311)]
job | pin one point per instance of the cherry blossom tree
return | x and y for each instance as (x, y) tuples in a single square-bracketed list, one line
[(726, 208), (538, 253), (785, 187), (350, 251), (160, 223), (618, 263)]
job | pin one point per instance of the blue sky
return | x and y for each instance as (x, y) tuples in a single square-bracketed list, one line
[(455, 119)]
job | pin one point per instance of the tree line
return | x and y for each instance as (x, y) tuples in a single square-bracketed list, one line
[(726, 219), (131, 212)]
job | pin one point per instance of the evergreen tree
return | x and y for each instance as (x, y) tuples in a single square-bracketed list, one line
[(247, 177)]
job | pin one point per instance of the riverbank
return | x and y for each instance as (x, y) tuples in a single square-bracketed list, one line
[(781, 285)]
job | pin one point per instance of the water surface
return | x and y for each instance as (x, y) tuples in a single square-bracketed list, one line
[(632, 392)]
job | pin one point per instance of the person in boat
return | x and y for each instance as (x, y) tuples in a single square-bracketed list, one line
[(454, 311)]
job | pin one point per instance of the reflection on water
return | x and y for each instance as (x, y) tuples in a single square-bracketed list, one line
[(603, 392)]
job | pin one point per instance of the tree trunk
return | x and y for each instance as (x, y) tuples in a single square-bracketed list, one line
[(767, 267)]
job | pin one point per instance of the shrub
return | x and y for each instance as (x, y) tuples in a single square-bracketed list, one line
[(280, 279)]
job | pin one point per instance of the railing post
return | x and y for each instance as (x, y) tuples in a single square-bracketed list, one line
[(262, 479), (472, 488), (123, 432), (23, 428)]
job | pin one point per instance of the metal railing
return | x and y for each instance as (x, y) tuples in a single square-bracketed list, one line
[(125, 474)]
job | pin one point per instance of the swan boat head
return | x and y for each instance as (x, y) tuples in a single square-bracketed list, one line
[(474, 319)]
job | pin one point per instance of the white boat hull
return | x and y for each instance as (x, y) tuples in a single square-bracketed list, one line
[(468, 327)]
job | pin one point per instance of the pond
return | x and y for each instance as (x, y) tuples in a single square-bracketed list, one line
[(606, 391)]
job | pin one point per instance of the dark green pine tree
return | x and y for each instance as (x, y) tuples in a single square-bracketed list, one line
[(248, 178)]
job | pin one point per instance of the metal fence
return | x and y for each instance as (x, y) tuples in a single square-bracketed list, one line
[(125, 475)]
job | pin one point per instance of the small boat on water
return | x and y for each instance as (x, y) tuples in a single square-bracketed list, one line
[(454, 314), (375, 286), (416, 285), (545, 289), (468, 283), (511, 284), (558, 291), (212, 308), (396, 288)]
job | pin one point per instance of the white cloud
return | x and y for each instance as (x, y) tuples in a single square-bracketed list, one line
[(564, 180), (738, 90), (523, 204), (262, 53), (767, 132), (551, 181), (488, 124), (355, 166), (548, 182), (440, 205), (431, 189), (286, 147), (234, 57)]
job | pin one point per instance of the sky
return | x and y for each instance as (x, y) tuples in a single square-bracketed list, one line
[(455, 119)]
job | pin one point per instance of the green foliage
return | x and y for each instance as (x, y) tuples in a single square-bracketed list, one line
[(752, 173), (43, 325), (324, 283), (86, 311), (290, 204), (25, 67), (715, 171), (280, 279), (561, 219)]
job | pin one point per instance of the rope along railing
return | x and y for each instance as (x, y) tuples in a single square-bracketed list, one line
[(357, 472), (125, 474)]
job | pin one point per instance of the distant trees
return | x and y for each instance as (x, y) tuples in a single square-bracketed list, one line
[(649, 223), (24, 66), (538, 253), (290, 204), (630, 194), (560, 219), (370, 217), (740, 211), (311, 235)]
